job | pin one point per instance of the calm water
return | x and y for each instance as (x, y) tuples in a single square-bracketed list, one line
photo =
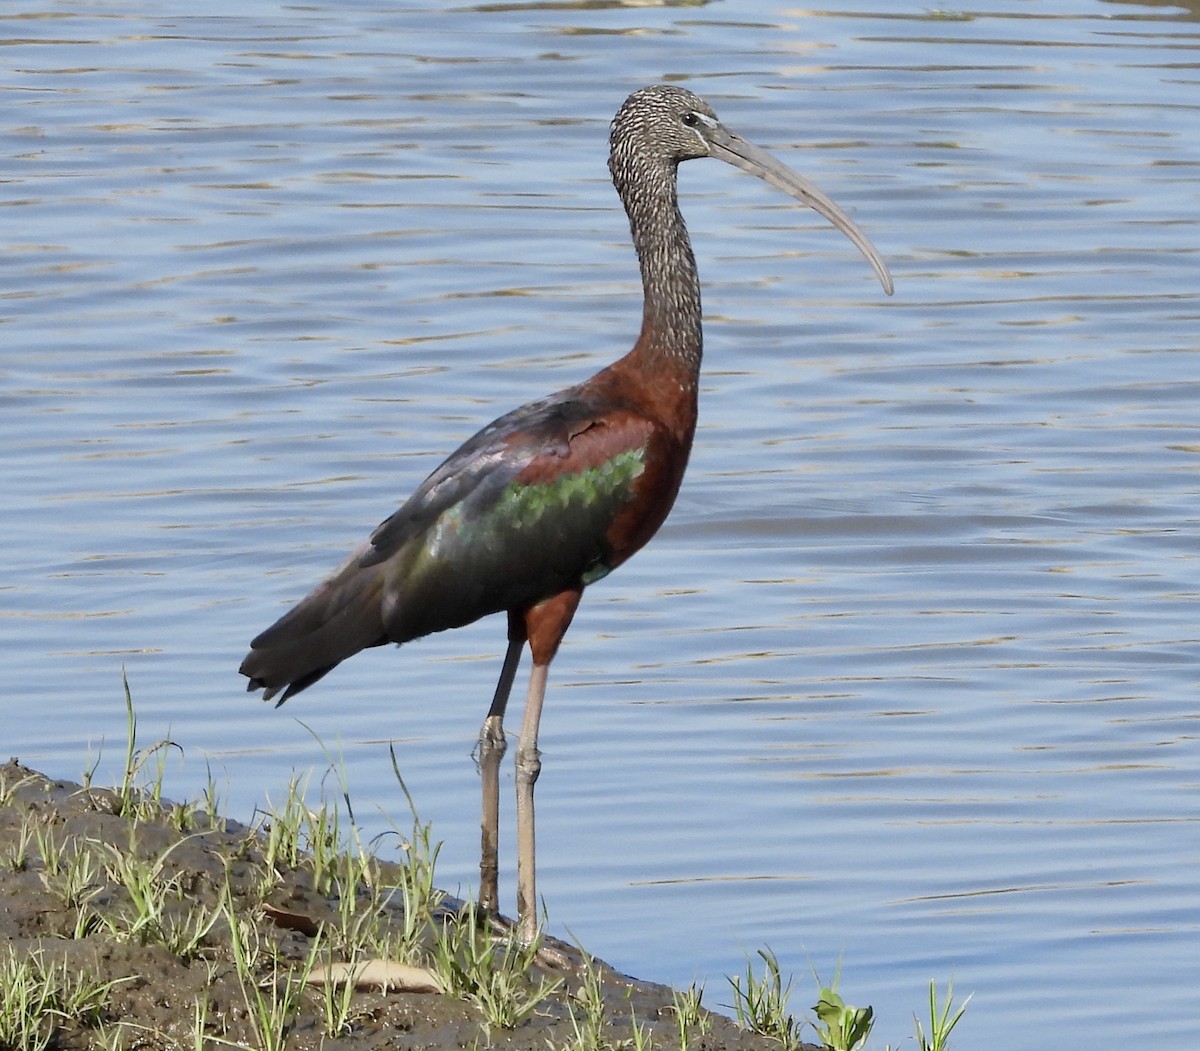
[(909, 678)]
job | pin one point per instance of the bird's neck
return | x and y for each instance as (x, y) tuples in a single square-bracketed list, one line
[(670, 343)]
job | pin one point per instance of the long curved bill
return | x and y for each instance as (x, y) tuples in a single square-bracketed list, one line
[(733, 149)]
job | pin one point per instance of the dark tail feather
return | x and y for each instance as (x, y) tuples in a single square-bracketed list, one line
[(295, 687), (341, 616)]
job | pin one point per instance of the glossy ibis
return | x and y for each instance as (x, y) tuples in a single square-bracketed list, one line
[(555, 495)]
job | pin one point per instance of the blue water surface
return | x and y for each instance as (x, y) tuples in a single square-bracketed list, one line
[(908, 680)]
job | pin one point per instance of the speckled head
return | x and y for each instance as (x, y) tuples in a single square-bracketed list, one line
[(660, 123), (660, 126)]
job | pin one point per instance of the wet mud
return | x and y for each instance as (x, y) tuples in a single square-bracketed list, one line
[(171, 978)]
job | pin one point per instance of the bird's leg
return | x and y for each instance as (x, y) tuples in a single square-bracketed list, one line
[(529, 765), (545, 625), (491, 751)]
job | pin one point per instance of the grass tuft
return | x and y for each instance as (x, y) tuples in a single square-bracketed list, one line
[(692, 1021), (941, 1021), (760, 1003), (492, 972), (589, 1015), (37, 999), (271, 989)]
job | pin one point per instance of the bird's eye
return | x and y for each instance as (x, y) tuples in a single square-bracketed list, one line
[(691, 119)]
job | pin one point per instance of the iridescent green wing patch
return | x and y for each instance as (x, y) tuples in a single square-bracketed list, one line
[(524, 504)]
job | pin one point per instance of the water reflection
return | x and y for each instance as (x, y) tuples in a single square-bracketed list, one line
[(1175, 10)]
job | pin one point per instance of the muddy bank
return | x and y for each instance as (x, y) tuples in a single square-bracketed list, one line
[(143, 924)]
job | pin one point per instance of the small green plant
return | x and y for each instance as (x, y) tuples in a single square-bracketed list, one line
[(147, 888), (71, 876), (125, 793), (337, 1003), (361, 904), (322, 843), (589, 1014), (300, 836), (199, 1022), (410, 885), (37, 999), (29, 1011), (353, 875), (49, 847), (420, 895), (490, 972), (691, 1019), (211, 806), (126, 1036), (761, 1004), (16, 853), (272, 1002), (131, 801), (941, 1021), (841, 1026), (640, 1037), (157, 910), (182, 817), (8, 788), (282, 827), (335, 858)]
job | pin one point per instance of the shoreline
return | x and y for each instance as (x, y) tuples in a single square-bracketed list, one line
[(149, 924)]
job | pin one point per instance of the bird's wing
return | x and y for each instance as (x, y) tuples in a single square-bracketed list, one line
[(531, 506), (494, 452), (549, 497)]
